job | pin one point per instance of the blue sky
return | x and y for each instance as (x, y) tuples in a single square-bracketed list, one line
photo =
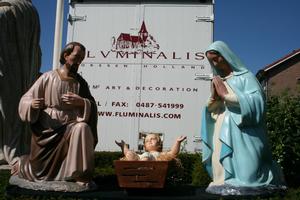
[(260, 32)]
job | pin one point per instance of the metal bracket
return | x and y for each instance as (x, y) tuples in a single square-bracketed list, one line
[(197, 139), (72, 19), (204, 77), (205, 18)]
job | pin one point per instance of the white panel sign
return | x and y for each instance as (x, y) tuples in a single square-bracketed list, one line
[(141, 63)]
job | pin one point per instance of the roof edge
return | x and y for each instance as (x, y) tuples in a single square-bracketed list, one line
[(274, 64)]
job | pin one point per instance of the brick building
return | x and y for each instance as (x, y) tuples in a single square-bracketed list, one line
[(282, 76)]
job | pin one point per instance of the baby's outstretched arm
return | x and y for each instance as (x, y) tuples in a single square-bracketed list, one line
[(123, 146), (130, 155), (176, 147)]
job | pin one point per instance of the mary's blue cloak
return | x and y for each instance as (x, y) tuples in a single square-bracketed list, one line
[(245, 153)]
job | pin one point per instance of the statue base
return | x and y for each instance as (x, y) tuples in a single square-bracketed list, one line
[(59, 186), (229, 190)]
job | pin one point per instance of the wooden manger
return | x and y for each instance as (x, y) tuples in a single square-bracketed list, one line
[(141, 174)]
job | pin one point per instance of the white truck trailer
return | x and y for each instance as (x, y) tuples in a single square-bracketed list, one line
[(141, 62)]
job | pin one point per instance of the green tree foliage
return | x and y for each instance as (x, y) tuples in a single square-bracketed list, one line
[(200, 176), (190, 172), (283, 115)]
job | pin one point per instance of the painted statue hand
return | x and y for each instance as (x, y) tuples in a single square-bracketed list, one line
[(38, 103), (180, 138), (122, 145), (214, 94), (220, 87), (72, 99)]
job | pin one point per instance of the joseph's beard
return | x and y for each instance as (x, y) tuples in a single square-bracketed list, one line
[(74, 68)]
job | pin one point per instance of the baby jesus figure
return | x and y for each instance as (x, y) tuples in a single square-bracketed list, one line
[(153, 149)]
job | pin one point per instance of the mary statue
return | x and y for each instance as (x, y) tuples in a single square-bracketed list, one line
[(235, 147)]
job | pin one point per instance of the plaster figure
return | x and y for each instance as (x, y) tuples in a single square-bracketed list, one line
[(20, 58), (63, 116), (235, 147), (153, 149)]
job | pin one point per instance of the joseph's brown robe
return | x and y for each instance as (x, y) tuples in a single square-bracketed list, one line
[(63, 139)]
